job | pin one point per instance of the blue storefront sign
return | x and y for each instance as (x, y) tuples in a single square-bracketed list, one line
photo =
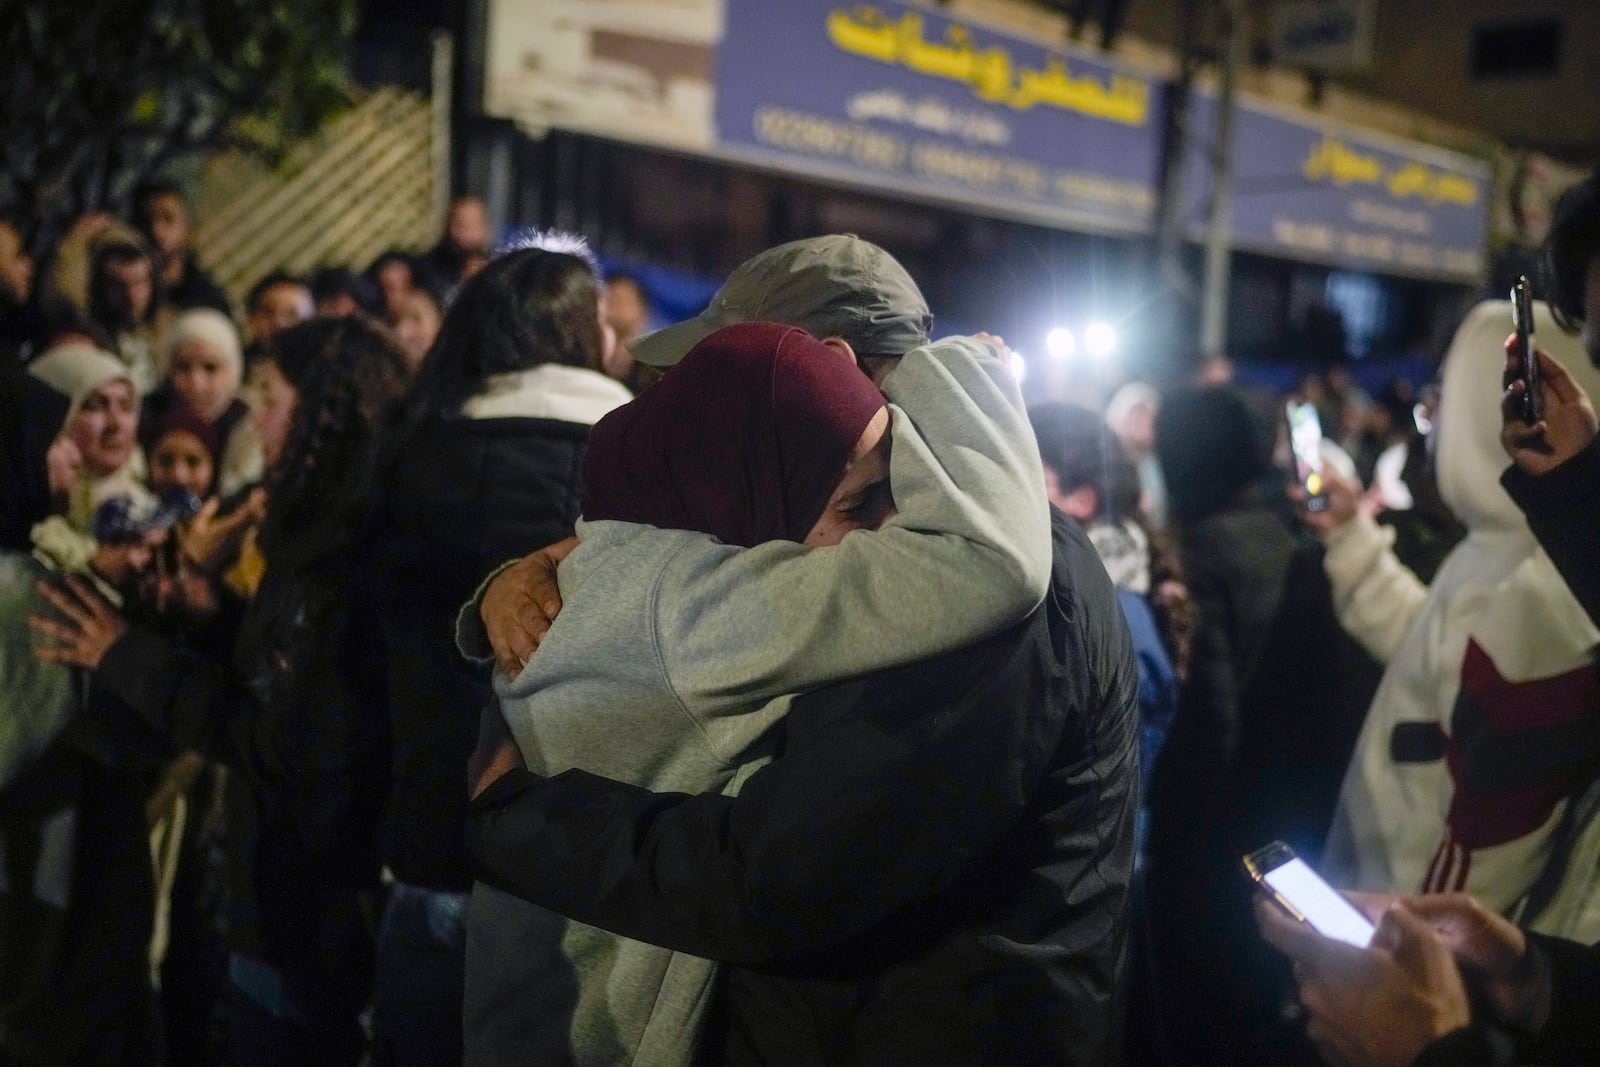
[(908, 100), (916, 104), (1324, 193)]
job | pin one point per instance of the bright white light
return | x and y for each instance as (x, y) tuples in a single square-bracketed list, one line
[(1061, 343), (1099, 340), (1019, 366)]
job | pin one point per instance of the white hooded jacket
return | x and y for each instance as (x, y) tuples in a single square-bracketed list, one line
[(1487, 719)]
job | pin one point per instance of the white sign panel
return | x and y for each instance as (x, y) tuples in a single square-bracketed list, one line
[(634, 70)]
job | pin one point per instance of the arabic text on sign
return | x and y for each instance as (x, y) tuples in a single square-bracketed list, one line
[(1334, 161), (988, 72)]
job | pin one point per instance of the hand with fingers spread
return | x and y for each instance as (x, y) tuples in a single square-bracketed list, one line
[(89, 629), (1569, 422), (520, 604), (1374, 1007), (210, 542)]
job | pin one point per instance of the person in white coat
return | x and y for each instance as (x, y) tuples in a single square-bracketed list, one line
[(1487, 720)]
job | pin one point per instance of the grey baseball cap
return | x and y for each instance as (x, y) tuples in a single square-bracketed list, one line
[(833, 286)]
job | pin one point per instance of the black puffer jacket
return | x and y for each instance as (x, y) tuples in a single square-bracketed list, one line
[(934, 870), (463, 497), (299, 715)]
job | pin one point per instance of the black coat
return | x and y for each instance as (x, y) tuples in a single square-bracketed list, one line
[(1571, 1035), (198, 289), (1276, 697), (462, 498), (1563, 509), (298, 715), (934, 870), (31, 415), (75, 954)]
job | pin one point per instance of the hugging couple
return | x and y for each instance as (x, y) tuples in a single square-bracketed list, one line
[(830, 755)]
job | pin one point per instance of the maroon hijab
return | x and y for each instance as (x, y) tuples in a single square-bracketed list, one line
[(745, 439)]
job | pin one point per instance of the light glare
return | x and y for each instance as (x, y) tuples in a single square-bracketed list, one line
[(1061, 343), (1099, 340)]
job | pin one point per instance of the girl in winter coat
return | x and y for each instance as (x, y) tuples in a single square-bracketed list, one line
[(484, 463), (181, 451)]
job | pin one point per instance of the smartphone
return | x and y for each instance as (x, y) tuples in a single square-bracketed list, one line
[(1305, 439), (1303, 894), (1522, 322)]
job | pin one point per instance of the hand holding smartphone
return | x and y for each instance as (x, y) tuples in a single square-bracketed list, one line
[(1305, 440), (1304, 895), (1527, 360)]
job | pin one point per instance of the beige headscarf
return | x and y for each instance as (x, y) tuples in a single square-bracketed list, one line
[(78, 370)]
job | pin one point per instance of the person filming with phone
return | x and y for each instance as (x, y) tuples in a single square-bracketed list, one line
[(1446, 979)]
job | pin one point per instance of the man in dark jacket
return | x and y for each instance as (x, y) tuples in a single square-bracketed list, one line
[(935, 867), (162, 214), (20, 320)]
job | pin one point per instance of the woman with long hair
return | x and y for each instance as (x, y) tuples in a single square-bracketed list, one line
[(483, 462), (299, 715)]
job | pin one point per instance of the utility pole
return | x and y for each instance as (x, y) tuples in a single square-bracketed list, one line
[(1175, 139), (1219, 249)]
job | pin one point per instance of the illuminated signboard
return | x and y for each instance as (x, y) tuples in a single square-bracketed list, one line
[(1316, 191), (884, 95)]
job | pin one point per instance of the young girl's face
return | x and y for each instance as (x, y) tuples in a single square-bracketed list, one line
[(180, 459), (274, 411), (201, 379), (417, 326)]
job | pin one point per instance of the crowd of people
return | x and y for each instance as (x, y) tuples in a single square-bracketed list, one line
[(429, 664)]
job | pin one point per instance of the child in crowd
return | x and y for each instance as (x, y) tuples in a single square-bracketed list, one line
[(417, 321), (205, 369), (181, 451)]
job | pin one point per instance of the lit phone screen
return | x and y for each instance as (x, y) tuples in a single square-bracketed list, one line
[(1331, 914)]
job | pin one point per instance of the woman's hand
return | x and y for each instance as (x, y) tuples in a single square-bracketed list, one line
[(62, 463), (209, 542), (1517, 984), (1343, 502), (520, 604), (497, 751), (90, 629), (1374, 1007), (1568, 425)]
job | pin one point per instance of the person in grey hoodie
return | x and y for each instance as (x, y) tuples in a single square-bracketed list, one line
[(681, 639)]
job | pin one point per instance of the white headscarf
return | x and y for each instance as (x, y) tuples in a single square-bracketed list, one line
[(214, 330), (77, 370)]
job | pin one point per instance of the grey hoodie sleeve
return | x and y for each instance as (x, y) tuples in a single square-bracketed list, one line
[(967, 553)]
